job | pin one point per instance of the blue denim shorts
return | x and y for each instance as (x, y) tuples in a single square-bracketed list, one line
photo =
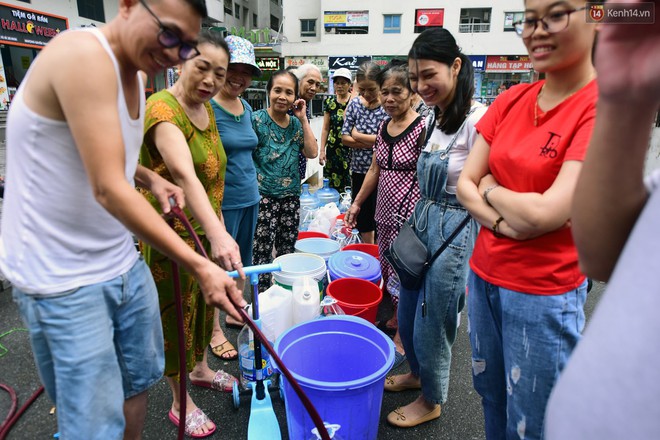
[(96, 346)]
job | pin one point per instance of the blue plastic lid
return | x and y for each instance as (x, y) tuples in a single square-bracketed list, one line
[(354, 264)]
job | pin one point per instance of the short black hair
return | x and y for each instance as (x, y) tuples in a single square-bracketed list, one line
[(269, 84), (212, 37)]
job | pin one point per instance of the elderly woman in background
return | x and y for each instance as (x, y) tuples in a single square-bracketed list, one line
[(334, 156), (309, 84), (240, 205), (182, 144)]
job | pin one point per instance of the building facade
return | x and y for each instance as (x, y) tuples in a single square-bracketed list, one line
[(336, 33), (26, 26)]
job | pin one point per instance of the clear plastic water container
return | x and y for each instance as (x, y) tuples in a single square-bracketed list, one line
[(327, 195), (309, 204)]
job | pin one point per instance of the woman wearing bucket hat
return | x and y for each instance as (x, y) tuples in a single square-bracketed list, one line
[(334, 156), (240, 205)]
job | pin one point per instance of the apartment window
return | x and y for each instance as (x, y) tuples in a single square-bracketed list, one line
[(274, 23), (308, 28), (254, 21), (346, 22), (510, 18), (392, 24), (474, 20), (237, 11), (229, 10), (92, 9), (246, 16), (428, 19)]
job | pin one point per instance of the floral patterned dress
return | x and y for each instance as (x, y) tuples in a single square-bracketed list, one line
[(338, 156), (210, 163)]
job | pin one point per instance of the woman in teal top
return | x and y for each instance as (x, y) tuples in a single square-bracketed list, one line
[(281, 139), (233, 116)]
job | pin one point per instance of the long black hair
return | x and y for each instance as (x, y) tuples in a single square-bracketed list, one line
[(438, 44)]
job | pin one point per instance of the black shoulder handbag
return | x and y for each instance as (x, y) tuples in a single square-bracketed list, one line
[(407, 254)]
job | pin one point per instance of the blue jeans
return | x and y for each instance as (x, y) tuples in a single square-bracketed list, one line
[(241, 224), (96, 346), (520, 343)]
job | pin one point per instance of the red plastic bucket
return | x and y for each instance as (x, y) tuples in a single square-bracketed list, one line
[(356, 297), (311, 234), (371, 249)]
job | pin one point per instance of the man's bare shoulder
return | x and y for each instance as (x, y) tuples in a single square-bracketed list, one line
[(73, 49), (72, 65)]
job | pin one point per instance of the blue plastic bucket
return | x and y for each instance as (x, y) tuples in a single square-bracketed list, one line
[(340, 363), (354, 264), (323, 247)]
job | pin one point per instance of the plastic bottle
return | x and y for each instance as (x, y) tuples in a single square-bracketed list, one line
[(354, 238), (327, 195), (346, 201), (341, 238), (330, 307), (246, 359), (309, 203), (339, 228), (306, 299), (393, 285)]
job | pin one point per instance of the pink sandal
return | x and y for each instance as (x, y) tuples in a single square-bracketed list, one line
[(194, 420), (221, 382)]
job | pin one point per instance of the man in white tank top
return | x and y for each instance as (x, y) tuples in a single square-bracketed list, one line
[(70, 205)]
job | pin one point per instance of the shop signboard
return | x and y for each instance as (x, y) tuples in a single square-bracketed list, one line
[(28, 28), (268, 63), (349, 62), (320, 62), (478, 62), (430, 17), (346, 18), (508, 63)]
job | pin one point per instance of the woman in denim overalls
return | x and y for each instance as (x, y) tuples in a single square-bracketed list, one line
[(428, 317)]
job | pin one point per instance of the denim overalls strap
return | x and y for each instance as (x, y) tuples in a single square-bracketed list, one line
[(432, 171)]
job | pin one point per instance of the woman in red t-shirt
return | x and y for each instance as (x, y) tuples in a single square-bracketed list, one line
[(526, 292)]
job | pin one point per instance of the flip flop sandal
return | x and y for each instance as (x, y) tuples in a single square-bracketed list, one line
[(221, 382), (194, 420), (223, 348)]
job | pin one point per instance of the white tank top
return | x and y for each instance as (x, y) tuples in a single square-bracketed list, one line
[(54, 235)]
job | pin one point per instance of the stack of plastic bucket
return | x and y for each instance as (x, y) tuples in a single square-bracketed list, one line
[(354, 264), (371, 249), (340, 362), (356, 283), (298, 265), (323, 247)]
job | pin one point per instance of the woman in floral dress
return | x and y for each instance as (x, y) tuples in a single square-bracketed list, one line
[(334, 156)]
